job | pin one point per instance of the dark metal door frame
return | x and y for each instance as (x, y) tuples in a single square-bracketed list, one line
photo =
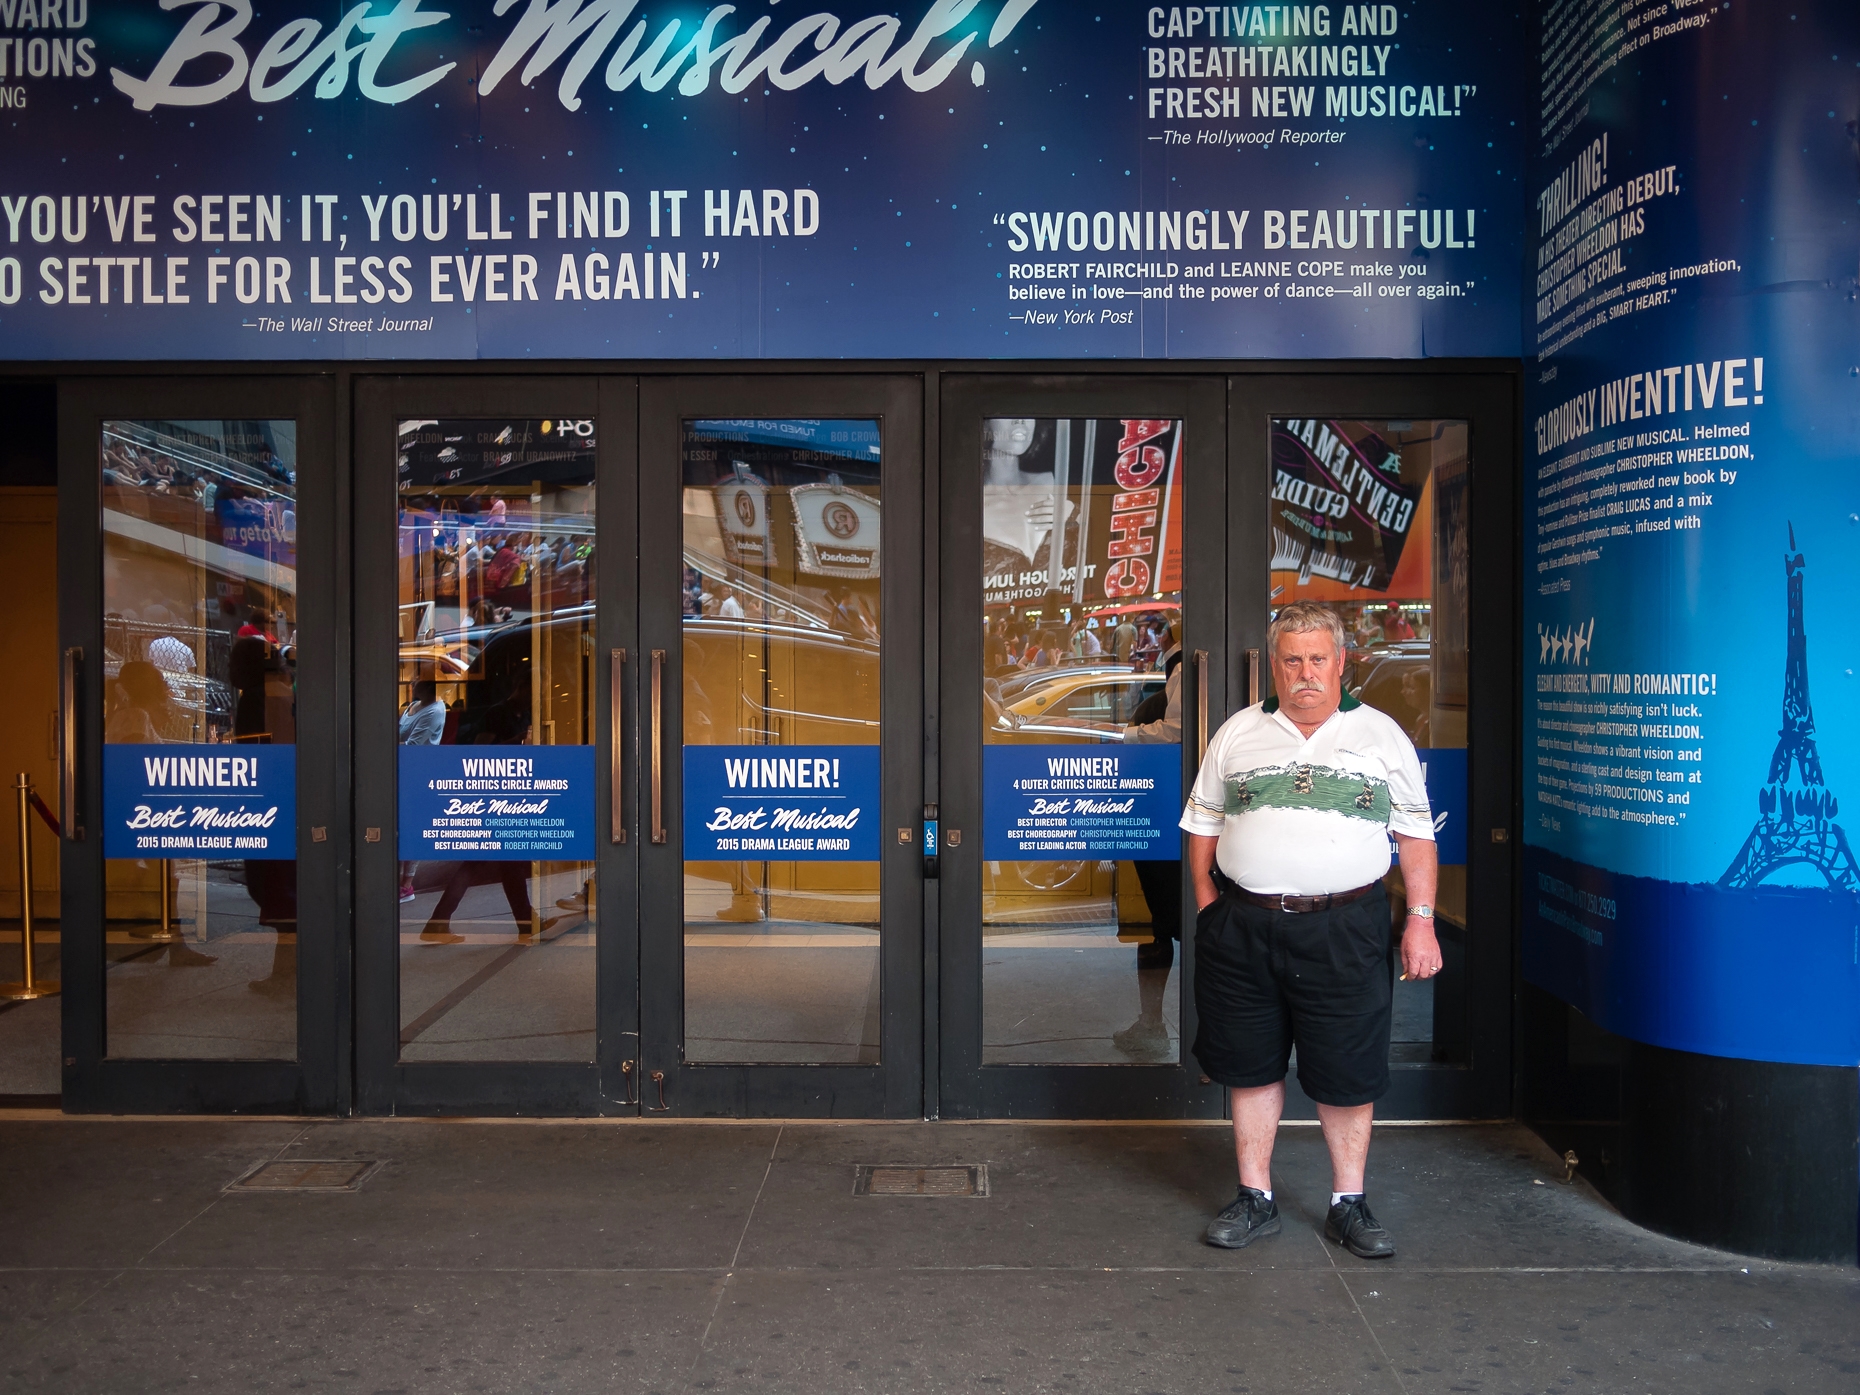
[(932, 1008), (1488, 402), (385, 1083), (893, 1088), (969, 1088), (316, 1082)]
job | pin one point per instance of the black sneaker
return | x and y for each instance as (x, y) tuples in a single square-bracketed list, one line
[(1251, 1216), (1350, 1225)]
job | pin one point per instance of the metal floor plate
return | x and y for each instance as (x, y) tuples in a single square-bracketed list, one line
[(919, 1179), (305, 1175)]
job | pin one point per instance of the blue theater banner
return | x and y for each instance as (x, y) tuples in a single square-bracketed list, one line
[(191, 801), (497, 803), (1448, 794), (1063, 803), (1692, 516), (781, 803), (458, 179)]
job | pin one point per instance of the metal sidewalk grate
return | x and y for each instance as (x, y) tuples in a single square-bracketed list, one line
[(305, 1175), (916, 1179)]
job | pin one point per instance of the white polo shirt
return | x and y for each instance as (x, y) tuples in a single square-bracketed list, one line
[(1300, 815)]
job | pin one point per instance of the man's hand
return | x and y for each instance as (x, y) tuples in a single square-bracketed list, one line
[(1420, 951), (1201, 869), (1420, 875)]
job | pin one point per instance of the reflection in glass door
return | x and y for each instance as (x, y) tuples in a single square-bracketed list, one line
[(1081, 623), (496, 674), (199, 696), (1371, 518), (781, 631)]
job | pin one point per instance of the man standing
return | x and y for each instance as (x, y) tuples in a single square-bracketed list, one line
[(422, 723), (1296, 800), (1124, 640)]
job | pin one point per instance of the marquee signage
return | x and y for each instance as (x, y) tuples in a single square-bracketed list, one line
[(1690, 864), (1339, 507), (604, 178)]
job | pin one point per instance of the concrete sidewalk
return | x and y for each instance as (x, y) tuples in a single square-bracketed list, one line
[(668, 1257)]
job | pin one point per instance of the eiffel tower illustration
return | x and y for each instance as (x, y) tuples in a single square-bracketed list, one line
[(1796, 810)]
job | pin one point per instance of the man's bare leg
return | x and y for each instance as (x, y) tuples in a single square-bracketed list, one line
[(1346, 1134), (1256, 1129)]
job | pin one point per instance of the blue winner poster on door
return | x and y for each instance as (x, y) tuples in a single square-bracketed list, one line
[(781, 803), (497, 803), (1065, 802), (200, 801)]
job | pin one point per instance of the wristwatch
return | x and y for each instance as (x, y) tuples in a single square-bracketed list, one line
[(1425, 912)]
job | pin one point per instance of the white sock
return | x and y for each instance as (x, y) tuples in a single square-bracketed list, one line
[(1267, 1193), (1336, 1198)]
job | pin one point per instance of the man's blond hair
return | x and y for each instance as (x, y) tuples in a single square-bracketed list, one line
[(1303, 617)]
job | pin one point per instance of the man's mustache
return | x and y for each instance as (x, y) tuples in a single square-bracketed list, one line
[(1307, 687)]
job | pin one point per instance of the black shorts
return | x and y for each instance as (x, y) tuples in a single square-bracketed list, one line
[(1266, 980)]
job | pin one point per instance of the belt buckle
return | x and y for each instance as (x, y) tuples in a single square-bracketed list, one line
[(1285, 906)]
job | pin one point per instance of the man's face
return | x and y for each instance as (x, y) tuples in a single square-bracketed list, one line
[(1308, 673)]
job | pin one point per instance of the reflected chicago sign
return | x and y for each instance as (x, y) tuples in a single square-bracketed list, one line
[(593, 178)]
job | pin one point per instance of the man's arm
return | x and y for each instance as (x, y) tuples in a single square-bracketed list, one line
[(1420, 874), (1201, 868)]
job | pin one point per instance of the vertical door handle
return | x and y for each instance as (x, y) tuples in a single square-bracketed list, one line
[(657, 757), (69, 814), (1201, 706), (616, 767), (1252, 677)]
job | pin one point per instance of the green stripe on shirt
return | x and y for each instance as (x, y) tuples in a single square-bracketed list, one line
[(1309, 787)]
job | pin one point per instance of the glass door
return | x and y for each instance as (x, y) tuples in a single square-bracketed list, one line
[(1082, 613), (201, 934), (492, 679), (1389, 498), (781, 660)]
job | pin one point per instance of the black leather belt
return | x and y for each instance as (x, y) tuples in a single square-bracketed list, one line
[(1302, 904)]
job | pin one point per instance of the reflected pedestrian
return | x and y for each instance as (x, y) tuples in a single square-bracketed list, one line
[(1157, 721), (422, 723)]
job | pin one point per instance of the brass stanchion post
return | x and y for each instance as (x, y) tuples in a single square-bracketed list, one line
[(166, 934), (30, 984)]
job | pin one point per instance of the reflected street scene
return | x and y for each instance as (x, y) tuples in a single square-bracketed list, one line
[(1082, 705), (1370, 518), (496, 671), (200, 663), (782, 627)]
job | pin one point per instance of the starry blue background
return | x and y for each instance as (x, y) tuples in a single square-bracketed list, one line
[(1760, 112), (908, 260)]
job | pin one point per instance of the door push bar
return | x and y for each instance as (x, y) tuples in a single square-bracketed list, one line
[(1201, 706), (71, 815), (657, 759), (616, 785)]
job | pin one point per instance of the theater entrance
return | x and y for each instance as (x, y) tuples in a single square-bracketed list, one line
[(734, 744), (1113, 550), (648, 684)]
